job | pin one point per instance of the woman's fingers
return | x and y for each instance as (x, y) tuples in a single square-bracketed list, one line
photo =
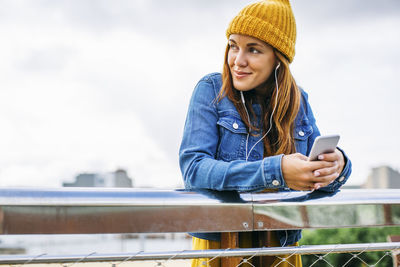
[(330, 173), (327, 171), (325, 180), (329, 157), (319, 165), (323, 177)]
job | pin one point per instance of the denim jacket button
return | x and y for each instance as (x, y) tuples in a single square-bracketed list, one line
[(275, 182), (301, 133), (235, 125)]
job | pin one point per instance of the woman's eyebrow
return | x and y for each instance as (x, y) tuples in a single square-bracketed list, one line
[(249, 44), (254, 44)]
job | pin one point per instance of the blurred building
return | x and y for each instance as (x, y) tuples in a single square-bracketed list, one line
[(382, 177), (119, 178)]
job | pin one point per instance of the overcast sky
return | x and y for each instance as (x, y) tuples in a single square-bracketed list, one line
[(91, 86)]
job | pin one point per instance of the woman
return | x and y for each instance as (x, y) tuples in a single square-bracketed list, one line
[(251, 128)]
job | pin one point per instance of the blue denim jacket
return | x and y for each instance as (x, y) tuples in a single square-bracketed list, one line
[(212, 153)]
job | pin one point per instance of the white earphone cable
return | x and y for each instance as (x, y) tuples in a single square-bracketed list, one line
[(270, 118), (248, 119)]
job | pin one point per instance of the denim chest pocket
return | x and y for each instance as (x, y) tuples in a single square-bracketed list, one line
[(232, 138), (302, 132)]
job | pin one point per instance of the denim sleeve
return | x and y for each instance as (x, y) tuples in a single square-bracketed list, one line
[(197, 154), (338, 182)]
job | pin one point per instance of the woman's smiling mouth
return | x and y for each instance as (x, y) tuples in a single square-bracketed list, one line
[(241, 74)]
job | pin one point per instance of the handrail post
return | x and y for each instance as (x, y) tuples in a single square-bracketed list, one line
[(259, 239), (230, 240), (262, 239), (395, 253)]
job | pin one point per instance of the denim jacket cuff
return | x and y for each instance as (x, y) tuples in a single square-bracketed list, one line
[(344, 175), (272, 172)]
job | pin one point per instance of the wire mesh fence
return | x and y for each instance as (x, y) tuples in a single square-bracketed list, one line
[(346, 255)]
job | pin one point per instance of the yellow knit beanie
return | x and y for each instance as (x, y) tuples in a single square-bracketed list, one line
[(271, 21)]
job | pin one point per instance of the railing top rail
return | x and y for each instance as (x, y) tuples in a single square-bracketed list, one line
[(133, 197), (111, 210), (86, 196)]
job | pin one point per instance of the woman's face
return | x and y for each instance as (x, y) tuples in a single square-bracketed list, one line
[(251, 61)]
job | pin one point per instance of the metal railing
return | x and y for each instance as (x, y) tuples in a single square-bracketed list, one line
[(105, 210), (195, 254)]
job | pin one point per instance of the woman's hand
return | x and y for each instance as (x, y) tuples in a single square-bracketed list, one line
[(338, 159), (301, 174)]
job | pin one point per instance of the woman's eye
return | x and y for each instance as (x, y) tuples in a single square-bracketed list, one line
[(254, 50), (233, 46)]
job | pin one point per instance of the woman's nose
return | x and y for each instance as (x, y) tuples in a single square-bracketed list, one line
[(240, 59)]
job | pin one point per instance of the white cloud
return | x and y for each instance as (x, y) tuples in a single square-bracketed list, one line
[(61, 108)]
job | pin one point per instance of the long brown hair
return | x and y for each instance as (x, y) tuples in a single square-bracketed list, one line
[(280, 139)]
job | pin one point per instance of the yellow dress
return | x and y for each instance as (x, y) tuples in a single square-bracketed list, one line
[(244, 242)]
